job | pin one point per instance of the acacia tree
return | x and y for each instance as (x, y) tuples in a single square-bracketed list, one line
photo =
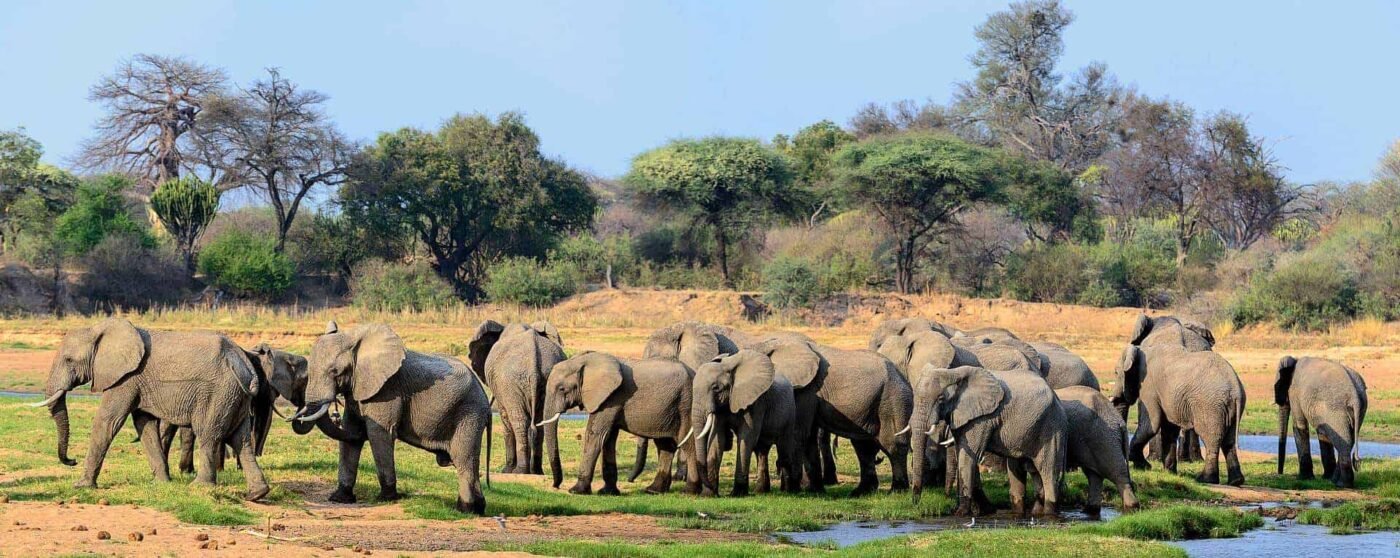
[(151, 105), (474, 191), (728, 185), (918, 184), (185, 207), (1249, 195), (274, 138), (1158, 170), (810, 151)]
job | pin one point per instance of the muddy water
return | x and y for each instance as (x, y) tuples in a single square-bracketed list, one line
[(1269, 444)]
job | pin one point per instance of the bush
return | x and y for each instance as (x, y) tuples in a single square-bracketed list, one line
[(331, 244), (247, 264), (791, 283), (123, 273), (597, 260), (1052, 273), (527, 282), (1307, 293), (99, 211), (396, 287)]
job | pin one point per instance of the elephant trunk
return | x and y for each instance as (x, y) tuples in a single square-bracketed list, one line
[(918, 447), (58, 409), (551, 446), (1283, 411)]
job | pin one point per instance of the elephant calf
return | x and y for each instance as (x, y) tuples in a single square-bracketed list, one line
[(1330, 398), (1098, 444), (741, 394)]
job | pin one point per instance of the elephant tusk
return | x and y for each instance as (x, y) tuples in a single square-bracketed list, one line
[(948, 442), (51, 399), (687, 436), (930, 430), (903, 432), (278, 413), (311, 418), (551, 419), (709, 423)]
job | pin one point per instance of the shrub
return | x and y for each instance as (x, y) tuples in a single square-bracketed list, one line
[(98, 211), (597, 260), (247, 264), (678, 276), (396, 287), (123, 273), (791, 283), (1052, 273), (1306, 293), (527, 282), (331, 244)]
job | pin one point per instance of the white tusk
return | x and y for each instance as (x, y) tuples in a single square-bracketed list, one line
[(709, 422), (687, 436), (930, 430), (551, 419), (946, 443), (903, 432), (51, 399), (318, 414)]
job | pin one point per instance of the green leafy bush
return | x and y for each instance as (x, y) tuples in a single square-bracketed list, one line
[(397, 287), (595, 259), (791, 283), (1052, 273), (528, 282), (124, 273), (247, 264), (98, 210), (1306, 293)]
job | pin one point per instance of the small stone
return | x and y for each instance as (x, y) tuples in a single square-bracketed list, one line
[(201, 537), (102, 502), (152, 532), (136, 536), (367, 552), (103, 535), (80, 527), (327, 547), (209, 545), (18, 522), (231, 543), (4, 498)]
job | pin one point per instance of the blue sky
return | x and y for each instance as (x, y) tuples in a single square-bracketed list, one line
[(603, 80)]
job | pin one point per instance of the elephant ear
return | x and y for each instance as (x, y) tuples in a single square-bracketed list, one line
[(379, 353), (752, 378), (1201, 330), (548, 330), (979, 394), (602, 375), (797, 362), (480, 346), (1284, 380), (1141, 328), (117, 352), (899, 349), (1130, 372)]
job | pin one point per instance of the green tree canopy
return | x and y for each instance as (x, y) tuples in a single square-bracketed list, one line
[(810, 152), (472, 192), (917, 183), (22, 176), (726, 184), (185, 207), (99, 210)]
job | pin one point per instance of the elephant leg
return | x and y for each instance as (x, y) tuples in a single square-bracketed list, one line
[(508, 441), (1327, 452), (465, 450), (1303, 444), (693, 470), (898, 454), (743, 458), (1235, 475), (950, 473), (1170, 435), (1093, 500), (186, 450), (666, 453), (1146, 430), (1189, 447), (381, 447), (811, 461), (970, 496), (639, 464), (210, 452), (866, 451), (828, 450), (111, 416), (1016, 485), (764, 482), (610, 465), (1345, 476), (349, 471), (1048, 467), (1210, 473), (241, 442), (148, 427)]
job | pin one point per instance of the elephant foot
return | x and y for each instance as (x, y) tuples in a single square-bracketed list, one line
[(1093, 512), (389, 494), (816, 489), (68, 462), (1142, 465), (1306, 476), (1208, 478), (85, 483), (343, 495), (1236, 480), (654, 489), (739, 491), (580, 488), (477, 507), (964, 508), (609, 491), (256, 493), (899, 485), (863, 489), (1018, 508), (206, 483)]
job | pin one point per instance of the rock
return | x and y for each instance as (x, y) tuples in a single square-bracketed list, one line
[(103, 536), (201, 537), (18, 522), (136, 536), (209, 545), (152, 532), (80, 527), (327, 547), (231, 543), (357, 549)]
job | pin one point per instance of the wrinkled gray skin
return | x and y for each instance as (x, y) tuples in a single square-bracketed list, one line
[(648, 398), (740, 394), (1180, 389), (858, 395), (1330, 398), (1011, 414), (432, 402), (1173, 331), (1059, 366), (514, 360), (196, 379), (696, 343), (907, 327), (1098, 445)]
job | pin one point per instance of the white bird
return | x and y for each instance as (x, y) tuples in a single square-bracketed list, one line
[(971, 524), (501, 520), (702, 515)]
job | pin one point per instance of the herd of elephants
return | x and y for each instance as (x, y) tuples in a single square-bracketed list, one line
[(954, 401)]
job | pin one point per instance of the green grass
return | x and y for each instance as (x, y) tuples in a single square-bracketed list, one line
[(24, 346), (1176, 523), (1352, 517), (1380, 425)]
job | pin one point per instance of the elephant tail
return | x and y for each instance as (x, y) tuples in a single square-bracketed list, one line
[(1356, 438), (490, 418)]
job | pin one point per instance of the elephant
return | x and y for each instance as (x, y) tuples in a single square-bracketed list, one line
[(1331, 398), (858, 395), (1012, 414), (1059, 366), (650, 398), (1171, 330), (196, 379), (432, 402), (1098, 444), (907, 327), (513, 360), (1180, 389), (742, 394)]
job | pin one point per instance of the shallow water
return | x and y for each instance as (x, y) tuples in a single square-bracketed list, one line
[(1269, 444), (1288, 538), (855, 532)]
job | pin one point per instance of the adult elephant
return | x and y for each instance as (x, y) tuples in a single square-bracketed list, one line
[(907, 327), (650, 398), (433, 402), (1011, 414), (1178, 332), (196, 379), (858, 395), (514, 360), (1182, 389), (1330, 398), (1059, 366), (740, 394), (1098, 445)]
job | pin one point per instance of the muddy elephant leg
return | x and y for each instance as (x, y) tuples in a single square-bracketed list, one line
[(186, 450), (666, 454), (610, 465), (465, 450), (1345, 475), (1016, 486), (828, 451), (1303, 445), (241, 442), (866, 450), (381, 447), (1146, 431), (1093, 500), (1328, 453), (148, 427), (1170, 435), (348, 473)]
